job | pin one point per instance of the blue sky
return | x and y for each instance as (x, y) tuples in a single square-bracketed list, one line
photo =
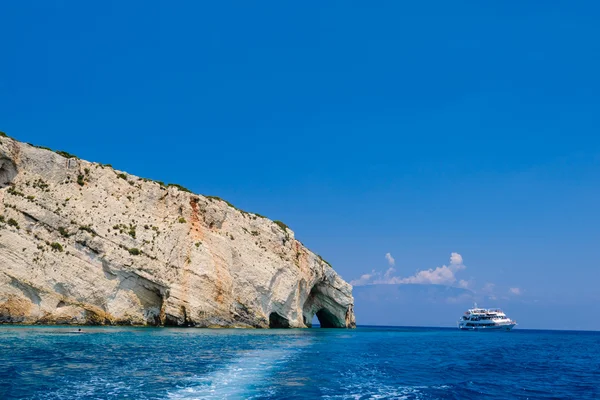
[(370, 128)]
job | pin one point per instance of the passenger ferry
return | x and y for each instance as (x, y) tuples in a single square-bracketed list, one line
[(477, 319)]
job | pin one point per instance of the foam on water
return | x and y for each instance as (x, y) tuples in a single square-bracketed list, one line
[(245, 378)]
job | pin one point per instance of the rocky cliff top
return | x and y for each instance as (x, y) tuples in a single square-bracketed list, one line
[(83, 243)]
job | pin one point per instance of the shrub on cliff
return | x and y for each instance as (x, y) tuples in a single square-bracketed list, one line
[(183, 189), (56, 247), (283, 226), (65, 154)]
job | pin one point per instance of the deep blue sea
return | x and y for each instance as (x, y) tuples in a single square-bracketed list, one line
[(366, 363)]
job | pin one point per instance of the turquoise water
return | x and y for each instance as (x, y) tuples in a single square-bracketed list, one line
[(366, 363)]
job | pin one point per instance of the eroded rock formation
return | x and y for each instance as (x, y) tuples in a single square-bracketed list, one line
[(82, 243)]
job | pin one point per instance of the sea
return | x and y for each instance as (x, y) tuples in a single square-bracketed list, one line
[(365, 363)]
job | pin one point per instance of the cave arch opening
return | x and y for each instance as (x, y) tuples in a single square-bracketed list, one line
[(327, 319), (8, 171), (277, 321)]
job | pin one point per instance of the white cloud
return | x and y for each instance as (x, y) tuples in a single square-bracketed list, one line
[(439, 276), (515, 290), (456, 259), (390, 259), (363, 280), (444, 275), (389, 273)]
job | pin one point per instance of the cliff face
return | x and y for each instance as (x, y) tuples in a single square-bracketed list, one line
[(81, 243)]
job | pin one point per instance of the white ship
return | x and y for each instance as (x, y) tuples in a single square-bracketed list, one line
[(477, 319)]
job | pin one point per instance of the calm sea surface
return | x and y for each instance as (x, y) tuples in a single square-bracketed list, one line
[(366, 363)]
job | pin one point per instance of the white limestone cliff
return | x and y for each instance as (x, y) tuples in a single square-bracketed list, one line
[(82, 243)]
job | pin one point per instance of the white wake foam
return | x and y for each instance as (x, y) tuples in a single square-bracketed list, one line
[(245, 378)]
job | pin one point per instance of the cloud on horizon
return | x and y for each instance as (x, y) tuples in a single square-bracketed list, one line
[(444, 275)]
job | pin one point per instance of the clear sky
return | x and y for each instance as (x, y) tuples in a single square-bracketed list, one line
[(418, 129)]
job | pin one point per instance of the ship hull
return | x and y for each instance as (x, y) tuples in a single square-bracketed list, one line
[(504, 327)]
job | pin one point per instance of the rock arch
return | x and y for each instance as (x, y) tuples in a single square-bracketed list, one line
[(325, 302)]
